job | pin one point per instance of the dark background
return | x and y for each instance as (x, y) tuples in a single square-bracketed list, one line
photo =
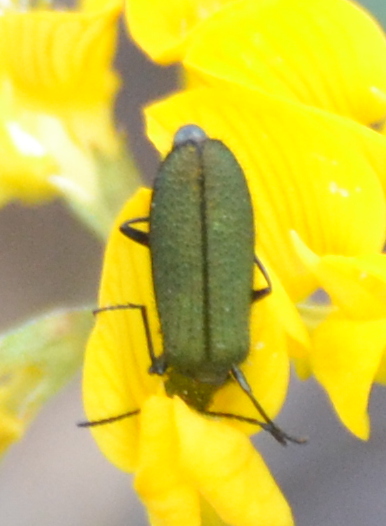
[(56, 476)]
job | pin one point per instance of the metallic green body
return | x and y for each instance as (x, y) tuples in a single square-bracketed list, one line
[(201, 239)]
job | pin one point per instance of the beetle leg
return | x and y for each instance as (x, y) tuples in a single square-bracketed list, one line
[(136, 235), (155, 367), (109, 420), (246, 419), (260, 294), (280, 435), (155, 360)]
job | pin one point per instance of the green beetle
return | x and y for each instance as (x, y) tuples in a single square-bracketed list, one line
[(201, 239)]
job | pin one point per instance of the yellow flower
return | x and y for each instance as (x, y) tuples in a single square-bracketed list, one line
[(180, 470), (317, 174), (262, 77), (296, 101), (57, 90)]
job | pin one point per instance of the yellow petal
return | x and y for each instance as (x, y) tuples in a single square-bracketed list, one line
[(285, 314), (59, 57), (117, 356), (325, 53), (161, 480), (11, 430), (345, 359), (105, 396), (232, 478), (25, 163), (380, 377), (162, 29), (307, 170), (357, 285), (312, 314)]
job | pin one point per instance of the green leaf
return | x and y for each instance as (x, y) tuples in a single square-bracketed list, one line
[(36, 360)]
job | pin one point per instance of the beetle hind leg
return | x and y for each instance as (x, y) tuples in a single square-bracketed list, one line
[(277, 433)]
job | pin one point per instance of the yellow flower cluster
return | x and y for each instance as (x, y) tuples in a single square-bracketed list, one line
[(297, 90), (57, 89)]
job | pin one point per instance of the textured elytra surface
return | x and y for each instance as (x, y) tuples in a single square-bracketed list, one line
[(201, 240)]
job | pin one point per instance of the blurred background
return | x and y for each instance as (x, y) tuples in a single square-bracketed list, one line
[(56, 476)]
